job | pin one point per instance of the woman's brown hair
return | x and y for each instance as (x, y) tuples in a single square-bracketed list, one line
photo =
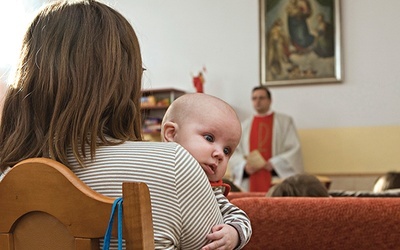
[(77, 82), (299, 185)]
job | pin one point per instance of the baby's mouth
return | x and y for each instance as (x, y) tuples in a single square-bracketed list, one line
[(211, 168)]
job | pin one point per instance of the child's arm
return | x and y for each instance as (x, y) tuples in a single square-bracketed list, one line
[(223, 237), (237, 225)]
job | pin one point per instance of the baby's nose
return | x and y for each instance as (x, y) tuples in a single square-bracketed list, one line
[(218, 154)]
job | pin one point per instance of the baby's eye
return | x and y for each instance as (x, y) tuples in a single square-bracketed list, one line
[(227, 151), (209, 138)]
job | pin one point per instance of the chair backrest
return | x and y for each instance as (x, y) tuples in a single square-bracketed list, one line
[(44, 205)]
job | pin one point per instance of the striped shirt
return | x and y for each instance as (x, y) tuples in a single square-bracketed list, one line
[(234, 217), (184, 207)]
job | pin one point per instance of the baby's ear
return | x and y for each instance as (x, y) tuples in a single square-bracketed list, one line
[(169, 130)]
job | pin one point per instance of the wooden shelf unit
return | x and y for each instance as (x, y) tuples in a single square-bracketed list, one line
[(153, 111)]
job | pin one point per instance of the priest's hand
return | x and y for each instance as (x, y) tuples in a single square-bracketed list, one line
[(268, 166), (251, 169)]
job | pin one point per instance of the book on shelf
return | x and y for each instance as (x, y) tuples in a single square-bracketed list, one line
[(152, 124)]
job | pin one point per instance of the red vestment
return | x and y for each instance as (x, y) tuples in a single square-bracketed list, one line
[(261, 139)]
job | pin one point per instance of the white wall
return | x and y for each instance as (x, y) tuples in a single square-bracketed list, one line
[(178, 37)]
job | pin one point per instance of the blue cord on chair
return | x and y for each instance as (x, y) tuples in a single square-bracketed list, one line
[(107, 237)]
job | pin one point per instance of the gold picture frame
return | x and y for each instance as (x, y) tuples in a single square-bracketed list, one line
[(300, 42)]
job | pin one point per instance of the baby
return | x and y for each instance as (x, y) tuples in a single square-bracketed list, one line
[(210, 130)]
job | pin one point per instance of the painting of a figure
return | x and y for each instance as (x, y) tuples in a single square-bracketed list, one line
[(300, 41)]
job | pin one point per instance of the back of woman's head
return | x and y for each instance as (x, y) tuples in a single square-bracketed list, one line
[(390, 180), (78, 80), (300, 185)]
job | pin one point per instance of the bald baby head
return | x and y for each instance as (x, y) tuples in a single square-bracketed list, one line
[(207, 127), (198, 106)]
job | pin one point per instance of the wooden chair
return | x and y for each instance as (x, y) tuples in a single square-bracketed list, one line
[(43, 205)]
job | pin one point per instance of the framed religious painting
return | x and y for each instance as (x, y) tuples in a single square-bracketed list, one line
[(300, 42)]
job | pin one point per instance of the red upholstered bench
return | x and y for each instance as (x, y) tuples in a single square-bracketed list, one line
[(322, 223), (235, 195)]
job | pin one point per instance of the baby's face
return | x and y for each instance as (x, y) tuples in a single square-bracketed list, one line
[(211, 141)]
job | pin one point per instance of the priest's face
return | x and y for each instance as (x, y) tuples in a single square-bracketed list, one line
[(261, 101)]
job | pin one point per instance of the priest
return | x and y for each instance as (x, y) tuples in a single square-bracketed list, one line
[(269, 147)]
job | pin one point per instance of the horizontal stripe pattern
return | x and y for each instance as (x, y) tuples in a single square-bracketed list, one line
[(184, 206), (234, 216)]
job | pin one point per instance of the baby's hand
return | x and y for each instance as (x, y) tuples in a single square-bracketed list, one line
[(224, 237)]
